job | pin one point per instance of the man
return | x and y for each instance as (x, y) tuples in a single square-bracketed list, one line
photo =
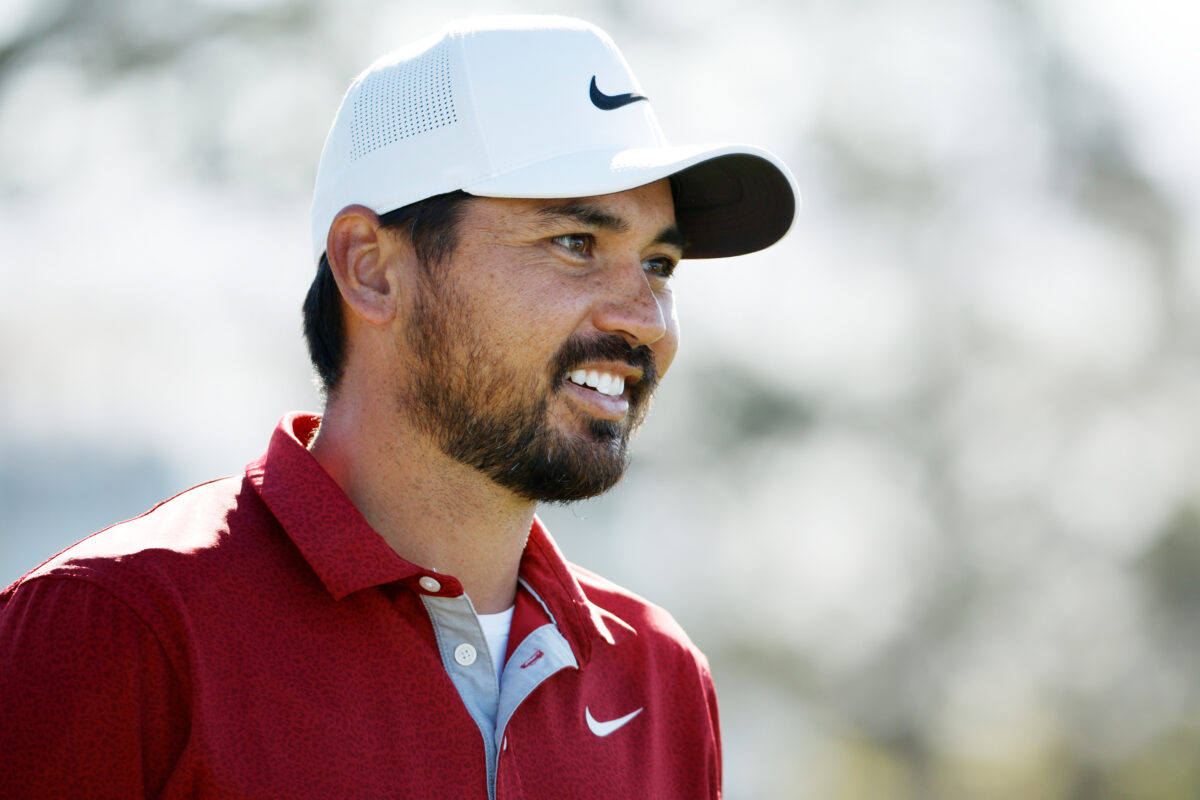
[(373, 610)]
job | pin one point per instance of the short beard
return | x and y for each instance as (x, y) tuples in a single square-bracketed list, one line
[(481, 413)]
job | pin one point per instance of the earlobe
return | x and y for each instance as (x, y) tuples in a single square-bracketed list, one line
[(359, 264)]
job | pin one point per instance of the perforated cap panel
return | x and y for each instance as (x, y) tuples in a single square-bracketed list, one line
[(405, 100)]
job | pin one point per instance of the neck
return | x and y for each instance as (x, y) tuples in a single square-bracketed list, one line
[(432, 510)]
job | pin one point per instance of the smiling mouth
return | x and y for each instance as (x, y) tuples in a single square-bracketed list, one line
[(603, 382)]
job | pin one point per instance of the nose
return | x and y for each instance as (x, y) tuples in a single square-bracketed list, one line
[(632, 309)]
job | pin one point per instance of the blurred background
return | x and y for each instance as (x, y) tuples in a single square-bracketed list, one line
[(923, 482)]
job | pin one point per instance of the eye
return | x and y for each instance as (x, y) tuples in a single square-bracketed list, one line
[(579, 244), (661, 266)]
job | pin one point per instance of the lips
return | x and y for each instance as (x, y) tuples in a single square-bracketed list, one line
[(603, 382), (605, 376), (604, 392)]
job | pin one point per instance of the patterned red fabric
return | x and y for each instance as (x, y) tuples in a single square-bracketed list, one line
[(253, 637), (528, 615)]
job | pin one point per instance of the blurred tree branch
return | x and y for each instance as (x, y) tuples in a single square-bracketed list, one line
[(110, 39)]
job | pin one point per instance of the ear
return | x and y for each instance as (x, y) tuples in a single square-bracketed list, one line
[(361, 264)]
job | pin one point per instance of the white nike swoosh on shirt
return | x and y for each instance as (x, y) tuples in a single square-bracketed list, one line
[(605, 728)]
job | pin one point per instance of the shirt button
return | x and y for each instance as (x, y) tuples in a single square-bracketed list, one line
[(430, 584), (464, 654)]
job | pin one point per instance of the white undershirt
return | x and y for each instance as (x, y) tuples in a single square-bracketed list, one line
[(495, 630)]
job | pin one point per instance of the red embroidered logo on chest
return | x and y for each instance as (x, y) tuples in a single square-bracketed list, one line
[(536, 655)]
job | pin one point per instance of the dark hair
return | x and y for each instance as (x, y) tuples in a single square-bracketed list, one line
[(432, 226)]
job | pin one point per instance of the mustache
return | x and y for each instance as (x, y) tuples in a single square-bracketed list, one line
[(608, 347)]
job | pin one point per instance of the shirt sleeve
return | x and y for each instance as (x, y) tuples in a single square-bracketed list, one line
[(89, 703), (714, 717)]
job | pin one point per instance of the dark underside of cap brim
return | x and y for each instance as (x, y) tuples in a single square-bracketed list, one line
[(732, 205)]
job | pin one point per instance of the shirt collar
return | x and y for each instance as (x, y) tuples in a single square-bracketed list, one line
[(580, 620), (347, 554)]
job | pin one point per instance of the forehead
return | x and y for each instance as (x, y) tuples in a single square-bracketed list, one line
[(644, 209)]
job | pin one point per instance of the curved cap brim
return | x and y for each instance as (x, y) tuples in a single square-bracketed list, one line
[(729, 199)]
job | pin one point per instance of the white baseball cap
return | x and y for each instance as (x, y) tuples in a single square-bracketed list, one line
[(539, 107)]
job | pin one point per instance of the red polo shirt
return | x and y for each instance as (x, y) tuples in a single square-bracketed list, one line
[(254, 637)]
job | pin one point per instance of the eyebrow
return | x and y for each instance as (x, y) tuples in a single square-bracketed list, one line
[(673, 236), (588, 216), (593, 217)]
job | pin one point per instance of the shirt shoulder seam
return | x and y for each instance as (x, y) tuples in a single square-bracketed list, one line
[(80, 579)]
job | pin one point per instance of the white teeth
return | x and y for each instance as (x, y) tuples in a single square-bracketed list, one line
[(602, 382)]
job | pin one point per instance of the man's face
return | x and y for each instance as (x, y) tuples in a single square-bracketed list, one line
[(537, 344)]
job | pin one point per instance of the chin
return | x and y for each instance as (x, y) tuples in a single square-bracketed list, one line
[(579, 467)]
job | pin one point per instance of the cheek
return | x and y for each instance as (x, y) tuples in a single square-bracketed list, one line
[(527, 321)]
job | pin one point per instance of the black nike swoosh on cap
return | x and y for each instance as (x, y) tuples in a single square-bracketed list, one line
[(607, 102)]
